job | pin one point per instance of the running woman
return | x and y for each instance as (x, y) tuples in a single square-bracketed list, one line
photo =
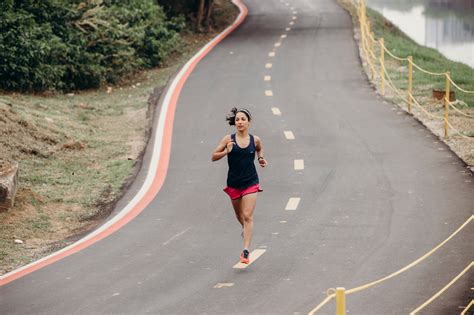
[(242, 178)]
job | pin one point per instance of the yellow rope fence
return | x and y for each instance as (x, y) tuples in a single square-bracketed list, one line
[(366, 35), (368, 44), (331, 295)]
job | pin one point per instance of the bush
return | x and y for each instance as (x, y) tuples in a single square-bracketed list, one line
[(67, 45)]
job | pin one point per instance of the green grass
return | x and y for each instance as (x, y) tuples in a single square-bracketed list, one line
[(68, 189), (41, 222), (428, 59), (64, 192)]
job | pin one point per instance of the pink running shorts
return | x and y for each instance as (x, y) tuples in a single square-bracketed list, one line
[(235, 193)]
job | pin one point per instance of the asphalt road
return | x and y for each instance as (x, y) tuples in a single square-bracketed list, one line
[(377, 192)]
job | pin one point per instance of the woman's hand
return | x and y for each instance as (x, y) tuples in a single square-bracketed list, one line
[(223, 148), (229, 146), (262, 162)]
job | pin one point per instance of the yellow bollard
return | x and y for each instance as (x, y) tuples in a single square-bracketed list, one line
[(368, 34), (382, 66), (446, 106), (340, 301), (410, 82), (372, 41)]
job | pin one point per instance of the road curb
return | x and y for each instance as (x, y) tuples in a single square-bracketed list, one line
[(157, 168)]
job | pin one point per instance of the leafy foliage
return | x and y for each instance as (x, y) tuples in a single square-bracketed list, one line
[(67, 45)]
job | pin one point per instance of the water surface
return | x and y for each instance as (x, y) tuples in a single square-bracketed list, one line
[(446, 25)]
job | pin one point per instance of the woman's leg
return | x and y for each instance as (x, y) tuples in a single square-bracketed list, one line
[(237, 204), (248, 206)]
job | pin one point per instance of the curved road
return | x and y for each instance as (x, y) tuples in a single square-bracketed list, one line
[(377, 192)]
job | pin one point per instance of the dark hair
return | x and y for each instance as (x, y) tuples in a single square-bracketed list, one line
[(233, 112)]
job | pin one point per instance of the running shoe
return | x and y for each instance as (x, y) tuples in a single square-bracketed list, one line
[(244, 258)]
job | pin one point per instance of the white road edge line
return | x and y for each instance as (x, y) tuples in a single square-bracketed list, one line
[(154, 161), (292, 204), (254, 255)]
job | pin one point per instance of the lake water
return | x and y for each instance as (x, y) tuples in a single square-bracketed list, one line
[(446, 25)]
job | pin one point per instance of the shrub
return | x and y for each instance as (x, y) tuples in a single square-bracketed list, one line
[(67, 45)]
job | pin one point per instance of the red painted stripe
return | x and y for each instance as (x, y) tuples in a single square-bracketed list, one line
[(160, 174)]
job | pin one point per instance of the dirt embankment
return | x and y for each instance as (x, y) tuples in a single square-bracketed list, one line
[(461, 136), (77, 152)]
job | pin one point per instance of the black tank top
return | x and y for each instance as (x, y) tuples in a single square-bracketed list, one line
[(242, 172)]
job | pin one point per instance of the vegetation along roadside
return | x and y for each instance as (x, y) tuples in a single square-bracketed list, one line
[(79, 148), (461, 138)]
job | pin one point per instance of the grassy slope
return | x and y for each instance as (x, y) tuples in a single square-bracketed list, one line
[(75, 154), (429, 59)]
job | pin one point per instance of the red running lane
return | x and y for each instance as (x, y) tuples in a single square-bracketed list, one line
[(160, 175)]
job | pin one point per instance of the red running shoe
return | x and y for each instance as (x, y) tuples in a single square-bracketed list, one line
[(244, 258)]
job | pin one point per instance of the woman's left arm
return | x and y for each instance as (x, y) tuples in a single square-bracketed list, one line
[(259, 148)]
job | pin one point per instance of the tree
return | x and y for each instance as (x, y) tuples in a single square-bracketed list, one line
[(197, 12)]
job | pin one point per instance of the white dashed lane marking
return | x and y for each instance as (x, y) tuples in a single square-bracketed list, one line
[(288, 29), (276, 111), (176, 236), (283, 36), (271, 54), (289, 135), (292, 204), (299, 165), (254, 255), (268, 66), (268, 93), (267, 78), (277, 44), (292, 23), (223, 285)]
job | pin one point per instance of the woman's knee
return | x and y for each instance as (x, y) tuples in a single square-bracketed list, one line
[(248, 218)]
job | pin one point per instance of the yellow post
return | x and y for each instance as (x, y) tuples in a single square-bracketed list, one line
[(410, 82), (372, 41), (368, 30), (446, 106), (382, 66), (340, 301), (372, 47), (359, 9)]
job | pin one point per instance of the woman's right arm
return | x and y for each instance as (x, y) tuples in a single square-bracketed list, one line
[(222, 149)]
